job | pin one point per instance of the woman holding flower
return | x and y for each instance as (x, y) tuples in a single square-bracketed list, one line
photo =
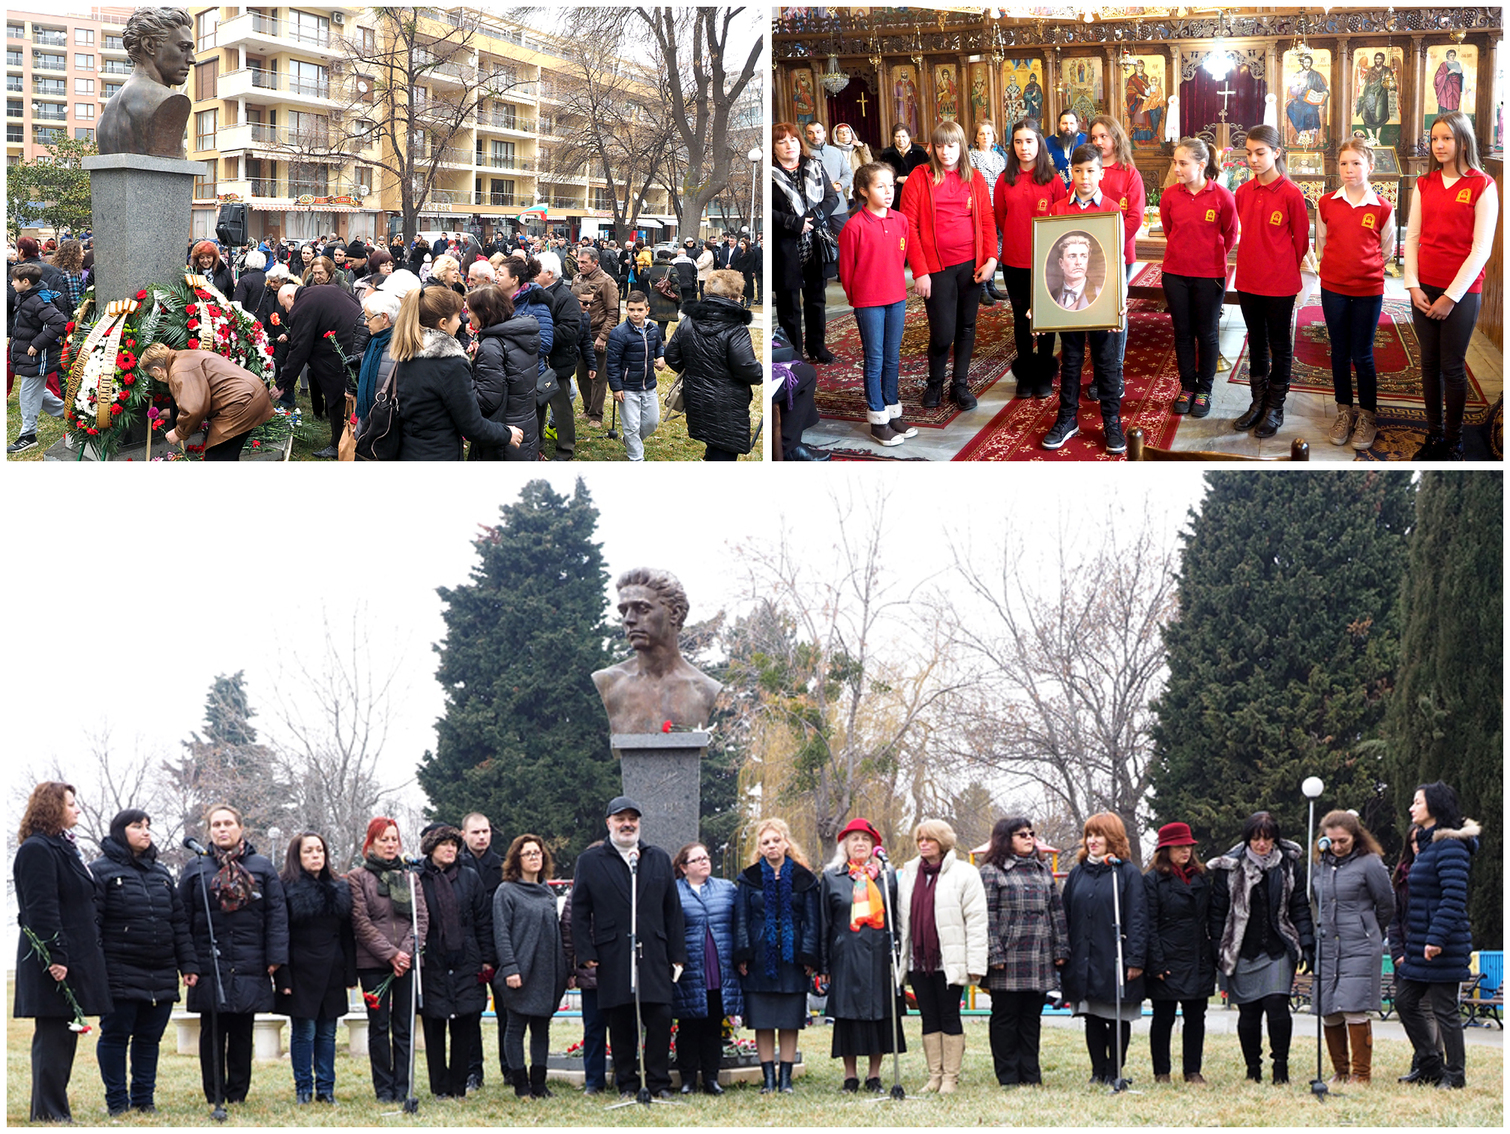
[(60, 968), (209, 390)]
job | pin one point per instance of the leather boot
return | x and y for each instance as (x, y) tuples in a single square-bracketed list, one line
[(538, 1089), (521, 1080), (1048, 372), (1255, 408), (768, 1078), (1361, 1040), (933, 394), (1252, 1043), (1281, 1071), (1336, 1046), (1024, 369), (784, 1079), (954, 1061), (933, 1051), (1274, 412), (960, 395)]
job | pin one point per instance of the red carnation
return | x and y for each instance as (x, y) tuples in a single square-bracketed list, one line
[(256, 444), (193, 324), (92, 431), (214, 310), (130, 342), (277, 322), (190, 309), (116, 409), (193, 344), (70, 327), (141, 295), (128, 379), (330, 334), (666, 726)]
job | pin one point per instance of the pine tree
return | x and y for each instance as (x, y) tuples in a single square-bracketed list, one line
[(1445, 720), (524, 738), (227, 765), (1282, 654)]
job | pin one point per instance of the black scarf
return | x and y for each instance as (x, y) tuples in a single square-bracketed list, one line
[(393, 883), (440, 897), (926, 954)]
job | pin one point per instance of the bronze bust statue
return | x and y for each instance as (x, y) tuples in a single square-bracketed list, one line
[(657, 684), (147, 116)]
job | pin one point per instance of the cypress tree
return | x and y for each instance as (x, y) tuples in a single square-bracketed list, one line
[(1283, 651), (524, 738), (1445, 720)]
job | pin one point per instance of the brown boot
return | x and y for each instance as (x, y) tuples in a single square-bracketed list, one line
[(1336, 1045), (954, 1062), (1361, 1037)]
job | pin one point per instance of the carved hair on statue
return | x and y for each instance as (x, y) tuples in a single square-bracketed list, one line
[(664, 584), (148, 27)]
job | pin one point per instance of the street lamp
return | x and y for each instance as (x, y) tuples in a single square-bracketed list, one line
[(1311, 788), (754, 155)]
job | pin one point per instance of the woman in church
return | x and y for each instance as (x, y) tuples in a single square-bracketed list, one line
[(1120, 179)]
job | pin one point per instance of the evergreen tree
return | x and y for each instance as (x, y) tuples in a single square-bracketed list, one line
[(227, 765), (524, 738), (1283, 651), (1445, 719)]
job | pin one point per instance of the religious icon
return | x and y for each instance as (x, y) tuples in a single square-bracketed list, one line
[(980, 92), (1085, 93), (1021, 91), (904, 101), (945, 93), (1376, 94), (804, 97), (1306, 97), (1144, 98), (1451, 83)]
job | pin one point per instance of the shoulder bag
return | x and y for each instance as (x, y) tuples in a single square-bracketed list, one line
[(382, 437)]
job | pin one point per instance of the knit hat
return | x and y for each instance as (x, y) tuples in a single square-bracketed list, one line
[(356, 250), (437, 833), (1175, 835)]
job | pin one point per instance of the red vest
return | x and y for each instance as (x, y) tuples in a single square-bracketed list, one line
[(1447, 226), (1352, 263)]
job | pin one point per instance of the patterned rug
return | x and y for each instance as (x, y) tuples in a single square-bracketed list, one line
[(1151, 379), (1402, 430), (841, 385), (867, 455)]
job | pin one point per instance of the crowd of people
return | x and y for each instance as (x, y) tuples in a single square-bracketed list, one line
[(490, 375), (954, 214), (112, 940)]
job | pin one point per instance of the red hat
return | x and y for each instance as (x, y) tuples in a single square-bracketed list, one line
[(864, 827), (1175, 835)]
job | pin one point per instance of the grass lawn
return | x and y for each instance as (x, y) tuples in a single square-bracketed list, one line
[(1066, 1100)]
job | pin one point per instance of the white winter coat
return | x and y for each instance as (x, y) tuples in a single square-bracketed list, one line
[(959, 909)]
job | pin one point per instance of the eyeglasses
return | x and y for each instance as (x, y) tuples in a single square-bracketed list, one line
[(1022, 834), (699, 858)]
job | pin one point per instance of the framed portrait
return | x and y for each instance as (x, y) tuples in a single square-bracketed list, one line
[(946, 92), (1378, 75), (1145, 98), (804, 95), (1307, 97), (906, 102), (1022, 88), (1078, 280), (1451, 81), (980, 97), (1084, 87), (1306, 162), (1386, 162)]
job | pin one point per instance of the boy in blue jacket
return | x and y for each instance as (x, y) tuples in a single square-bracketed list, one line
[(35, 349), (634, 356)]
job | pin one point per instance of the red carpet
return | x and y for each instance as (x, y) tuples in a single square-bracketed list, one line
[(841, 385), (1151, 379)]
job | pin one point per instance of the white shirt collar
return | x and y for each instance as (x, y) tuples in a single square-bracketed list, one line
[(1083, 206), (1369, 198)]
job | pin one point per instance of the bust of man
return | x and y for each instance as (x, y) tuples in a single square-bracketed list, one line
[(657, 684), (147, 116)]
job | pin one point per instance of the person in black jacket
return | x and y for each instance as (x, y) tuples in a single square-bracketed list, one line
[(145, 932), (479, 856), (58, 903), (437, 403), (802, 196), (317, 313), (1181, 962), (457, 960), (207, 262), (252, 291), (746, 262), (903, 155), (713, 350), (37, 332), (1261, 929), (566, 336), (600, 924), (250, 917), (504, 371), (322, 964), (28, 251)]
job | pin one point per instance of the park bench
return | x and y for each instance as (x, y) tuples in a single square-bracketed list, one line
[(1478, 1005)]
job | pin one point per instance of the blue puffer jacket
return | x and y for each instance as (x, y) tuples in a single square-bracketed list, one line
[(632, 352), (712, 909), (1438, 911)]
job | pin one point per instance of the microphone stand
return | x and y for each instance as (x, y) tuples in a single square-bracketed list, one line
[(898, 1092), (1319, 1086), (1119, 1085), (416, 992), (643, 1095), (218, 1003)]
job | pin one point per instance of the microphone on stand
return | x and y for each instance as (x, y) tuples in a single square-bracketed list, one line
[(880, 852), (1113, 860), (634, 860), (1323, 843), (193, 844)]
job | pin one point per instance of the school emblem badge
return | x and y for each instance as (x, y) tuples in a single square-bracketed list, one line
[(902, 243), (1211, 214), (1123, 204), (1368, 220), (1464, 197), (1276, 217)]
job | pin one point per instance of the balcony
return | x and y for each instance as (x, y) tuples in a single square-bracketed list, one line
[(15, 31), (565, 203), (256, 84), (497, 200), (42, 62), (258, 135), (253, 29), (39, 114), (13, 111), (13, 59), (506, 124), (15, 135), (451, 73), (46, 37), (14, 83), (47, 88), (510, 85), (117, 66), (522, 165), (114, 44)]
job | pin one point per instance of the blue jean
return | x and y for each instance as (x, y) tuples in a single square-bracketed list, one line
[(137, 1024), (881, 338), (313, 1041), (1351, 321), (641, 410), (594, 1042)]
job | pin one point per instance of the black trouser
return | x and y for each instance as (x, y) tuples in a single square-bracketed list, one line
[(448, 1077), (1444, 346), (1195, 308), (228, 450), (1036, 350), (1271, 350), (802, 309), (1099, 1041), (700, 1042), (952, 303), (53, 1045), (938, 1003), (1194, 1036), (388, 1035), (1250, 1018), (593, 391), (539, 1028), (502, 1015), (232, 1034), (751, 296), (802, 413), (1016, 1022), (623, 1039), (333, 389), (566, 422), (1429, 1013), (712, 453), (1106, 368)]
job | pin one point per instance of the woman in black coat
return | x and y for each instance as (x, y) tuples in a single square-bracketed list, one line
[(457, 961), (322, 965), (802, 196), (250, 919), (1105, 883), (746, 261), (145, 931), (713, 350), (504, 371), (1181, 962), (1261, 930), (58, 902)]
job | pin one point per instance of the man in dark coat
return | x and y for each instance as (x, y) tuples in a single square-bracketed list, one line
[(601, 896), (566, 312), (316, 311), (480, 857)]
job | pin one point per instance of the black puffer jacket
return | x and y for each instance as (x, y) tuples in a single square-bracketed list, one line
[(250, 938), (451, 980), (322, 952), (712, 349), (40, 323), (144, 927), (1179, 941), (438, 405), (503, 373)]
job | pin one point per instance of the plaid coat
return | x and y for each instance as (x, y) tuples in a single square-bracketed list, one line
[(1026, 928)]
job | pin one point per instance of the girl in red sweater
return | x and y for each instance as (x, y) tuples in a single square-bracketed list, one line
[(875, 247), (1453, 215), (1276, 235), (1355, 237), (1028, 187), (949, 202), (1120, 179), (1199, 218)]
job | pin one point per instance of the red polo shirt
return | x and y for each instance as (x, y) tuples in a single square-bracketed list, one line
[(919, 203), (1199, 229), (1352, 263), (873, 254), (1276, 234), (1125, 186), (1016, 205)]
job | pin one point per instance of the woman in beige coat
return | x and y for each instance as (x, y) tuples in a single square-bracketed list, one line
[(209, 388)]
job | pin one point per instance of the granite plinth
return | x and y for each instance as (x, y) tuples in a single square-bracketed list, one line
[(663, 771), (142, 209)]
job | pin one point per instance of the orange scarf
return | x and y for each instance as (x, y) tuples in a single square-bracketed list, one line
[(866, 907)]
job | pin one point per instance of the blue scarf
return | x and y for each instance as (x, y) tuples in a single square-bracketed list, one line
[(778, 914), (367, 376)]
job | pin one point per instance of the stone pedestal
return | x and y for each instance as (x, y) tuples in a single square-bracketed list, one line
[(662, 771), (142, 218)]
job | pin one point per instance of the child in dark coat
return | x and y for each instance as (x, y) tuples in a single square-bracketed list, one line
[(35, 349)]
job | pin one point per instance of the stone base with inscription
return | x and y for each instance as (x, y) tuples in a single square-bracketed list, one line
[(142, 218), (662, 771)]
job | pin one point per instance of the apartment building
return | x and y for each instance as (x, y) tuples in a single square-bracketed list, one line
[(59, 72)]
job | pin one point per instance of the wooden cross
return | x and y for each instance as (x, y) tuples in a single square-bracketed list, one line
[(861, 101), (1226, 93)]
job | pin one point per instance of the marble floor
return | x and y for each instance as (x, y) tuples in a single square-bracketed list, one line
[(1307, 415)]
